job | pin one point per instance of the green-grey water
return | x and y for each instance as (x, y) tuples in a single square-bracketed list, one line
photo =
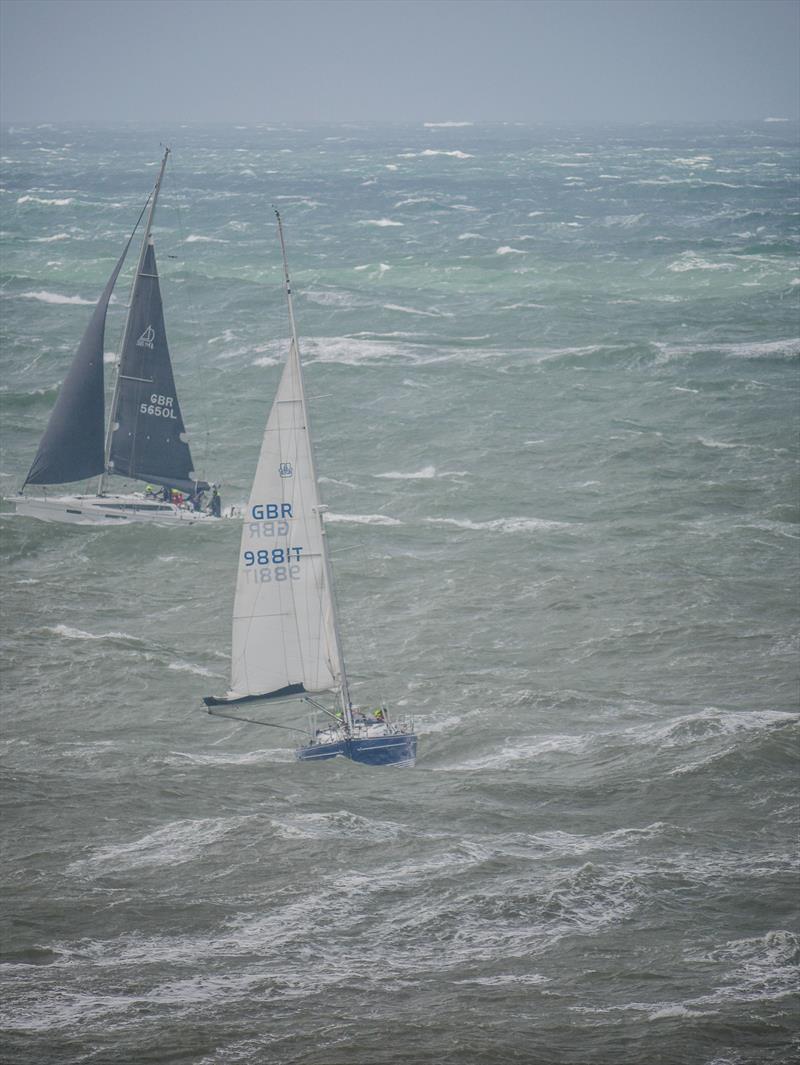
[(553, 379)]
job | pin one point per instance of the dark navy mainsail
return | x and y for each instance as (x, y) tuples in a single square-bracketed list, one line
[(72, 447), (147, 426)]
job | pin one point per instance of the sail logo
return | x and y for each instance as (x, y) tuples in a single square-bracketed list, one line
[(286, 469), (147, 338)]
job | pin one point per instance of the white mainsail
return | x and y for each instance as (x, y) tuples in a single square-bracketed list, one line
[(283, 615)]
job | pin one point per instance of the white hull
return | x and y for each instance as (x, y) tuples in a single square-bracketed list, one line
[(107, 510)]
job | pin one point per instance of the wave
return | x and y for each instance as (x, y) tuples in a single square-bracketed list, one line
[(624, 221), (520, 752), (421, 475), (427, 473), (743, 349), (70, 633), (55, 297), (356, 350), (412, 200), (338, 824), (504, 525), (715, 444), (47, 203), (415, 310), (196, 238), (690, 260), (435, 151), (51, 240), (187, 667), (458, 125), (381, 222), (174, 844), (264, 756), (362, 519), (334, 297), (506, 250)]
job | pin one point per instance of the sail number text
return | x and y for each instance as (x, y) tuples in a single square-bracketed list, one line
[(159, 407), (273, 557), (270, 511), (268, 574)]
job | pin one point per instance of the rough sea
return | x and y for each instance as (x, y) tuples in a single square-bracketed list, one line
[(553, 375)]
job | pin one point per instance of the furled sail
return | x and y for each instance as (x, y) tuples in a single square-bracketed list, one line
[(147, 440), (283, 628), (72, 447)]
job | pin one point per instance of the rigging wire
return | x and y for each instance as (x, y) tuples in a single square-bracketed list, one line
[(193, 318), (253, 721)]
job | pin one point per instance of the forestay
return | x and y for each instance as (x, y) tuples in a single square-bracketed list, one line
[(284, 640)]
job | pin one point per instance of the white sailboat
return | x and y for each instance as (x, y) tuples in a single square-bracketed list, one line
[(286, 642), (145, 439)]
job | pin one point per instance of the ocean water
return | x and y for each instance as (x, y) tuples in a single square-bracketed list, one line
[(553, 378)]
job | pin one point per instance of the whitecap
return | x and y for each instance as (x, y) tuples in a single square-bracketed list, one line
[(414, 200), (70, 633), (505, 250), (457, 125), (718, 444), (196, 238), (362, 519), (453, 155), (434, 151), (382, 222), (505, 525), (508, 756), (55, 297), (46, 203), (690, 260), (51, 240), (695, 160), (187, 667), (421, 475), (415, 310), (175, 843), (624, 221)]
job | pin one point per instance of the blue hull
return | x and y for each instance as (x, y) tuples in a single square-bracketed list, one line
[(376, 750)]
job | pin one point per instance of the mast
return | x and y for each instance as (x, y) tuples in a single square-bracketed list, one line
[(145, 241), (347, 708)]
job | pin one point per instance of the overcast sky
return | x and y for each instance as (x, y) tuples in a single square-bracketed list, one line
[(398, 60)]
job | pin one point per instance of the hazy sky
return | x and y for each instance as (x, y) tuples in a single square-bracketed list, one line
[(396, 60)]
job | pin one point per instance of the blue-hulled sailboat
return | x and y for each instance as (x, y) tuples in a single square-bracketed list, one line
[(286, 643)]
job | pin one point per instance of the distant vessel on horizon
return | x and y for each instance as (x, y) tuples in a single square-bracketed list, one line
[(145, 438)]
